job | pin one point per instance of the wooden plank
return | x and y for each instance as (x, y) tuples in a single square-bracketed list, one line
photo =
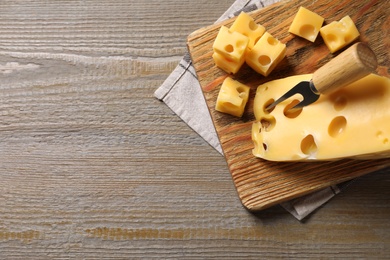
[(261, 184)]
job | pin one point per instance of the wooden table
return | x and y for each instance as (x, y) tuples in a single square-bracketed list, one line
[(94, 167)]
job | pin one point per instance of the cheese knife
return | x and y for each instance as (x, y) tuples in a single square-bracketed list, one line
[(349, 66)]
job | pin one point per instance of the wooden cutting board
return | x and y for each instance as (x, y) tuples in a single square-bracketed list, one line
[(259, 183)]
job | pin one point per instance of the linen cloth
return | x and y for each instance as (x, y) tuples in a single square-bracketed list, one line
[(182, 93)]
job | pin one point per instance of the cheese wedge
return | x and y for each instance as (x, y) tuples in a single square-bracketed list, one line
[(232, 97), (353, 122)]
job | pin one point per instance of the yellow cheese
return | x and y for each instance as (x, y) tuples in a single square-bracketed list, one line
[(245, 25), (266, 54), (337, 35), (230, 46), (226, 64), (353, 122), (232, 97), (306, 24)]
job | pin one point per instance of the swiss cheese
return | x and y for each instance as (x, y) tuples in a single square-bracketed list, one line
[(230, 46), (339, 34), (353, 122), (226, 64), (306, 24), (266, 54), (245, 25), (232, 97)]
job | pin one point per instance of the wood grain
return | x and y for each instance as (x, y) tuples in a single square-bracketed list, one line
[(259, 183), (92, 166)]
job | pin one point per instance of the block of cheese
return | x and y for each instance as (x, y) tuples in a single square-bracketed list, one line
[(245, 25), (266, 54), (232, 97), (226, 64), (231, 46), (339, 34), (352, 122), (306, 24)]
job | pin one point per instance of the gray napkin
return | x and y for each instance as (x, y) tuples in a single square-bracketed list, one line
[(182, 93)]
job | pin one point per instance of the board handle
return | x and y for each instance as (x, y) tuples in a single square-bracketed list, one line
[(352, 64)]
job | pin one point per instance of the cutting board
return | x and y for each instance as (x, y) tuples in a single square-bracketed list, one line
[(259, 183)]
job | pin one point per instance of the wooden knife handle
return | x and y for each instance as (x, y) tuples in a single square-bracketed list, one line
[(352, 64)]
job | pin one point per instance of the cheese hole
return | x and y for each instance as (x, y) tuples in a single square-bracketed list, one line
[(348, 38), (264, 60), (268, 123), (332, 40), (241, 92), (292, 113), (382, 138), (307, 31), (337, 126), (252, 25), (265, 147), (340, 103), (266, 104), (272, 41), (229, 48), (308, 145), (228, 105)]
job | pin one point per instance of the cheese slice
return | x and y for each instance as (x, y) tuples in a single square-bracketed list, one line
[(339, 34), (232, 97), (353, 122), (306, 24), (245, 25), (266, 54)]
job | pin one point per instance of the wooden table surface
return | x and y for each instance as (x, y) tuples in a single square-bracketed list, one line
[(93, 166)]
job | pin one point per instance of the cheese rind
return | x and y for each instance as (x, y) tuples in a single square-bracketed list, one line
[(339, 34), (232, 97), (306, 24), (353, 122), (245, 25), (266, 54)]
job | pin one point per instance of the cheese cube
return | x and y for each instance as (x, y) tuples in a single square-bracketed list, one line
[(266, 54), (232, 97), (339, 34), (231, 45), (245, 25), (306, 24), (353, 122), (226, 64)]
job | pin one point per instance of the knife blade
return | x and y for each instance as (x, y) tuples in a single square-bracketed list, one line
[(349, 66)]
